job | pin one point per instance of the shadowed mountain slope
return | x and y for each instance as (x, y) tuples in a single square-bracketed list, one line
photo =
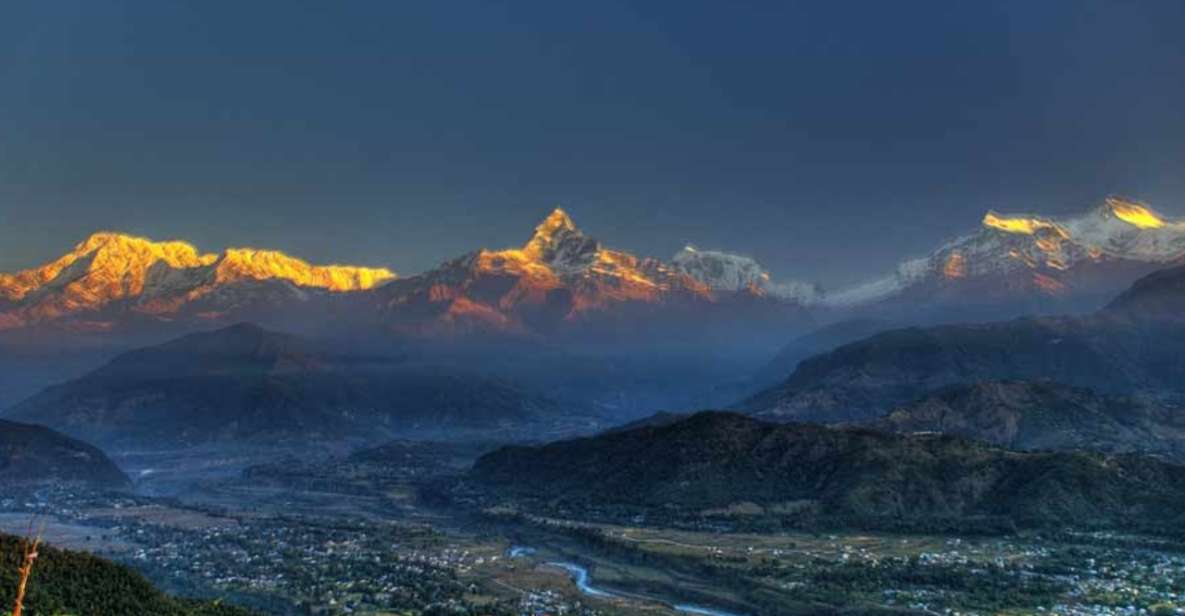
[(245, 383), (711, 461), (1132, 345), (1045, 415), (35, 454)]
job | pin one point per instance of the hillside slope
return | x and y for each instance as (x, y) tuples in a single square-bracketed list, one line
[(713, 461), (1045, 415), (1131, 345), (34, 454)]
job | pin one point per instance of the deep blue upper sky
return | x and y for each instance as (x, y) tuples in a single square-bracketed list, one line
[(829, 139)]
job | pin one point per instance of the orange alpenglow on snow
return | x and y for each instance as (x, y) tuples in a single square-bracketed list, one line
[(545, 234), (1135, 214), (1048, 285), (108, 267), (116, 266), (1048, 235), (955, 266), (251, 264), (530, 260), (1131, 212), (559, 255), (1019, 224)]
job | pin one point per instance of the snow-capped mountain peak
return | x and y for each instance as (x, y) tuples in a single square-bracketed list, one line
[(1134, 213), (558, 243), (556, 222), (159, 278), (1039, 253), (722, 271)]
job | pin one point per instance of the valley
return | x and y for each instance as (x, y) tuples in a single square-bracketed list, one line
[(284, 538)]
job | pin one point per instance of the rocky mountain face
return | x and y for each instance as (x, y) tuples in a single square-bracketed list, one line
[(246, 384), (1044, 415), (111, 279), (31, 454), (1025, 264), (801, 472), (1132, 345), (563, 284)]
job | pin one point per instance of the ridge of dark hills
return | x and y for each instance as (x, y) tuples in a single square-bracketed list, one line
[(1132, 345), (865, 379), (247, 384), (242, 349), (1045, 415), (1160, 295), (799, 473)]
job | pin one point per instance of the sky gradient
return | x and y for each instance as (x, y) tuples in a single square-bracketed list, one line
[(827, 139)]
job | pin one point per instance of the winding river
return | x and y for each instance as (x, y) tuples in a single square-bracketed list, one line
[(580, 576)]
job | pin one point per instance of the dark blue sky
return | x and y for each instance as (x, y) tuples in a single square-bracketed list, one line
[(829, 139)]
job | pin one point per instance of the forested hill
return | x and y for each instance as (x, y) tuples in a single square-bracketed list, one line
[(713, 461), (66, 582)]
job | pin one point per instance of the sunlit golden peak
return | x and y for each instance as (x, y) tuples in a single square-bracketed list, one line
[(1024, 225), (252, 264), (556, 221), (1134, 213), (124, 246), (556, 226), (115, 265), (109, 266)]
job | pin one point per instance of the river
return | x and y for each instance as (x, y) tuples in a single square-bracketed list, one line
[(583, 582)]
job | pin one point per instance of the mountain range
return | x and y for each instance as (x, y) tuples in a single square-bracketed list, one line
[(1025, 264), (596, 327), (562, 285), (110, 278), (527, 306), (561, 282), (560, 279)]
